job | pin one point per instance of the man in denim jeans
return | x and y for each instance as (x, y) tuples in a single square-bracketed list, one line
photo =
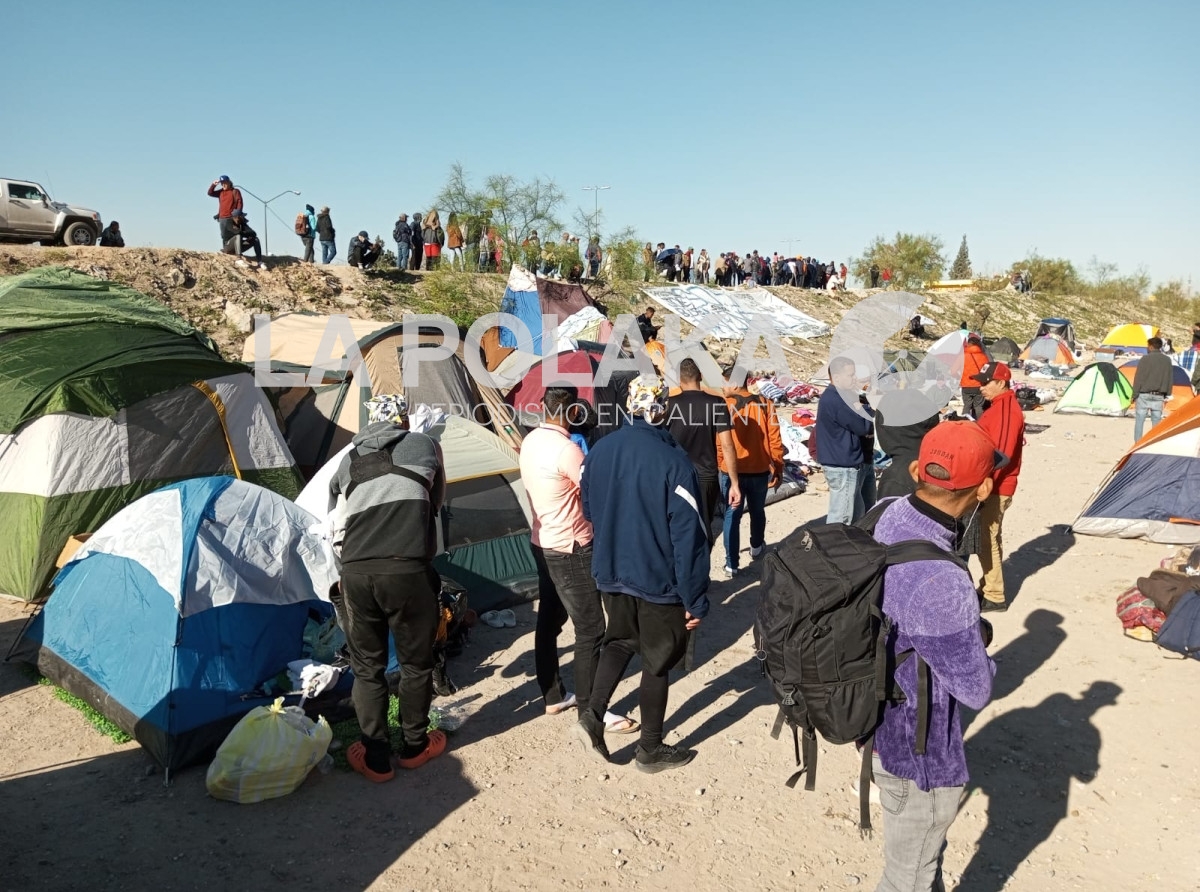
[(1151, 386), (562, 549), (843, 421), (935, 614), (757, 461)]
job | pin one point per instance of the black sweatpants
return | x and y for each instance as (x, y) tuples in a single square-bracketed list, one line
[(406, 604), (659, 633)]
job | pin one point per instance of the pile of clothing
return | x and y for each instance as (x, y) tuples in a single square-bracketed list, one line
[(1164, 607), (783, 389)]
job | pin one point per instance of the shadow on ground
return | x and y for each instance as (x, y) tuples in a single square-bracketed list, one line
[(1025, 761), (108, 822)]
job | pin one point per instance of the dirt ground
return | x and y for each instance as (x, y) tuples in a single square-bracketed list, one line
[(1083, 769)]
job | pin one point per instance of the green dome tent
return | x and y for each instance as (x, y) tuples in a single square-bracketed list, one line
[(1098, 390), (106, 395)]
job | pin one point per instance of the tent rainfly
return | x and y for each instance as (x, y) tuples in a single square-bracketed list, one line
[(1100, 389), (1153, 492), (169, 619), (106, 395)]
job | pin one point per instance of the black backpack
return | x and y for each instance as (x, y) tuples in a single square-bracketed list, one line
[(821, 636)]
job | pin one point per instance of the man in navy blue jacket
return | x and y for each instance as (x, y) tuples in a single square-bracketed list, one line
[(844, 427), (650, 561)]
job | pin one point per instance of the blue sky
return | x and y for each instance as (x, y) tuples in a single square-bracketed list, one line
[(1066, 127)]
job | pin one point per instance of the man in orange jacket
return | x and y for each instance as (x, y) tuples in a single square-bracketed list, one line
[(759, 463), (974, 359), (1004, 422)]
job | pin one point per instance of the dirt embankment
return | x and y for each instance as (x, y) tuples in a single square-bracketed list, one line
[(219, 297)]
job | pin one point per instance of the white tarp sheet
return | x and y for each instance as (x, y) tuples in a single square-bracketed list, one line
[(735, 308)]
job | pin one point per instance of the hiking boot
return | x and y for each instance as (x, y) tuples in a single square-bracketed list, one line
[(756, 551), (589, 731), (662, 757)]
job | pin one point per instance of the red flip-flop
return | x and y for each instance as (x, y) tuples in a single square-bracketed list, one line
[(356, 755), (434, 748)]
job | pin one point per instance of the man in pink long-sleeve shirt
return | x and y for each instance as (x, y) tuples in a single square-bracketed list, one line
[(562, 548)]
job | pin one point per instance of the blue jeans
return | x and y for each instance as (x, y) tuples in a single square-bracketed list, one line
[(403, 250), (328, 251), (754, 500), (1150, 403), (845, 494)]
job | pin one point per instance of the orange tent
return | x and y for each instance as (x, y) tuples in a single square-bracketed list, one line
[(1153, 491), (1181, 385)]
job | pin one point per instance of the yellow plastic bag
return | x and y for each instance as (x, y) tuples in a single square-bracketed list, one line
[(267, 754)]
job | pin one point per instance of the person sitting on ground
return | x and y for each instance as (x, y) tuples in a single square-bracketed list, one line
[(239, 237), (111, 236), (645, 324), (362, 251)]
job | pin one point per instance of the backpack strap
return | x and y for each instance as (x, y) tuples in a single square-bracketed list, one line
[(911, 550), (865, 776), (806, 758), (924, 693)]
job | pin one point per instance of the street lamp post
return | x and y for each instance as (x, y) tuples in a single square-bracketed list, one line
[(789, 242), (266, 205), (596, 210)]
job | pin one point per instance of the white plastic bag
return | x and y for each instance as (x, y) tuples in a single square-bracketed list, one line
[(268, 754)]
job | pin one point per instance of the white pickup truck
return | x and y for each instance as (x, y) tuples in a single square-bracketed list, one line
[(28, 215)]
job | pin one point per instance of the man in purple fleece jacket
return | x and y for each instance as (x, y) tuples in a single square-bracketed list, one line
[(935, 611)]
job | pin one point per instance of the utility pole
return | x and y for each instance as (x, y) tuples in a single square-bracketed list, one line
[(596, 208), (266, 205)]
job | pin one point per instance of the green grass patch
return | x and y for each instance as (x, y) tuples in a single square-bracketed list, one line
[(348, 732), (95, 719)]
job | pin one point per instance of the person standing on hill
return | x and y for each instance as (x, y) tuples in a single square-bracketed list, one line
[(306, 228), (326, 235), (402, 236), (434, 237), (418, 242), (974, 359), (229, 199), (393, 482), (1151, 386), (1004, 422), (700, 423), (650, 561), (454, 242)]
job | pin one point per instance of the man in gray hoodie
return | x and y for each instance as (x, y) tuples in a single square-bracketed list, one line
[(393, 484)]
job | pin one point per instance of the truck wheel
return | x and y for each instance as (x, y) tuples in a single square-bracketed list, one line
[(80, 234)]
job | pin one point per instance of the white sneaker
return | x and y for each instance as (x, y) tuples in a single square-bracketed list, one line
[(730, 572), (757, 552), (240, 262)]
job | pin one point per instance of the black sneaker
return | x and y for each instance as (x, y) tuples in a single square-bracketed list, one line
[(589, 731), (662, 757), (993, 606)]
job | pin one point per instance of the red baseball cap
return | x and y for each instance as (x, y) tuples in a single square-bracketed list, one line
[(964, 450), (993, 371)]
